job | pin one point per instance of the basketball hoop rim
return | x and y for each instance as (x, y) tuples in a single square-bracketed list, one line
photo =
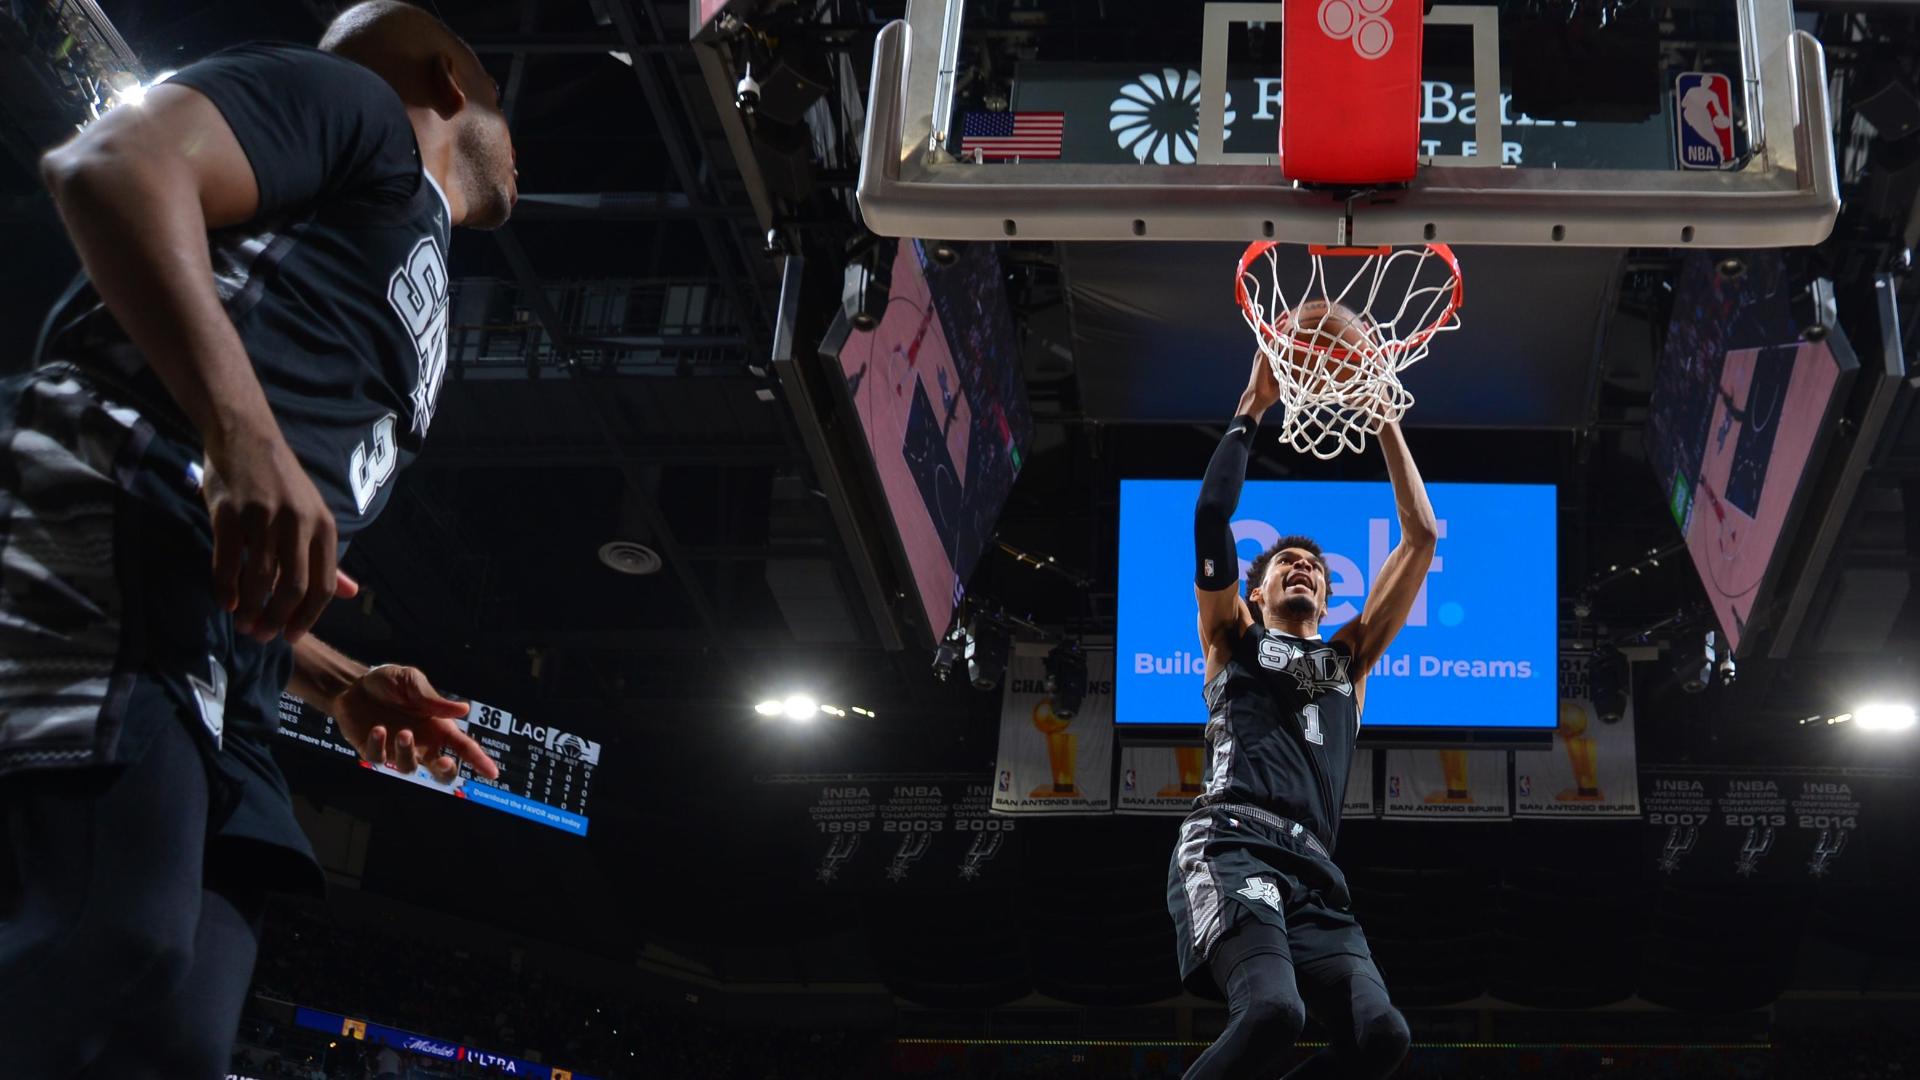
[(1444, 251)]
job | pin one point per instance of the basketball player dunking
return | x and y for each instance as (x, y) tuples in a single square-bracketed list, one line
[(222, 402), (1263, 914)]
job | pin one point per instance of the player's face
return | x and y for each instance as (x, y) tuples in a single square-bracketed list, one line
[(1295, 585), (485, 149)]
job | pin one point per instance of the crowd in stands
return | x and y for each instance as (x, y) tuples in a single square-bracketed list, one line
[(447, 995)]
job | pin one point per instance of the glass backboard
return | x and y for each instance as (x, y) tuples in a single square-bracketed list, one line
[(1703, 123)]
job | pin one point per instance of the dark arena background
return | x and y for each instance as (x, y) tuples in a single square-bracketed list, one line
[(811, 641)]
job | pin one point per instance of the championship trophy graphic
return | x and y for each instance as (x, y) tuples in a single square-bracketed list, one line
[(1453, 766), (1192, 763), (1060, 752), (1581, 754)]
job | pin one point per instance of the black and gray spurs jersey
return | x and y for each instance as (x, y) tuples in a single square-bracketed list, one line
[(339, 286), (1282, 720)]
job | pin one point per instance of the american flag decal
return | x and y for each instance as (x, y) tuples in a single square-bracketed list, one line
[(998, 136)]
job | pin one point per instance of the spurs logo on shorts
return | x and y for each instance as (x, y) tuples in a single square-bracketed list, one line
[(210, 694), (1261, 891)]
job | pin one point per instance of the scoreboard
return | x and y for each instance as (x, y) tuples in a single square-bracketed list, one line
[(546, 773)]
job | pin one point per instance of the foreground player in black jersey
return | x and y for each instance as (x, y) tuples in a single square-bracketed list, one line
[(254, 350), (1263, 914)]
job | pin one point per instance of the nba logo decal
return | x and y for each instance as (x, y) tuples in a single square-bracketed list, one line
[(1393, 787), (1526, 785), (1703, 120)]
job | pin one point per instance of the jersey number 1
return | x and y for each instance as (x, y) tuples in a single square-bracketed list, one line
[(1310, 720)]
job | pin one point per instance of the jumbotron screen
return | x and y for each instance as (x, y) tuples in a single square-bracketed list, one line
[(546, 774), (1479, 650), (943, 407), (1739, 404)]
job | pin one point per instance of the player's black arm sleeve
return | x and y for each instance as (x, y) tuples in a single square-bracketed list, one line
[(1216, 558)]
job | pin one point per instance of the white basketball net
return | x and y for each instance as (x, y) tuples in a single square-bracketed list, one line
[(1340, 381)]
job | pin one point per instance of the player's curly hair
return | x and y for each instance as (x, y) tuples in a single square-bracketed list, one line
[(1257, 572)]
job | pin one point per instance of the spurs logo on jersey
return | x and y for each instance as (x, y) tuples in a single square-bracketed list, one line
[(418, 292), (1317, 670)]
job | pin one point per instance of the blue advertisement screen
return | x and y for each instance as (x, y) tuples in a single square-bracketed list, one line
[(1479, 649)]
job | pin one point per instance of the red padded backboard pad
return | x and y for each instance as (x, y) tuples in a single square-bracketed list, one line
[(1350, 108)]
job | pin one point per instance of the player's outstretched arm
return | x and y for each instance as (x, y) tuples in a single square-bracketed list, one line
[(1216, 579), (138, 191), (1405, 570), (391, 714)]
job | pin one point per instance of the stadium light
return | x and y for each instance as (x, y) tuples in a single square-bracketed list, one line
[(128, 91), (801, 708), (1884, 716)]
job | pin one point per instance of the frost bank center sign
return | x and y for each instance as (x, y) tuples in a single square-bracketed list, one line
[(1120, 113)]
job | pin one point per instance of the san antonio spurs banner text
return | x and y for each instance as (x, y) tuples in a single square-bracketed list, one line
[(1053, 764), (1591, 770), (1447, 785), (1159, 779)]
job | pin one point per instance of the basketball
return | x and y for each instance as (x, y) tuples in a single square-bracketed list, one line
[(1326, 344)]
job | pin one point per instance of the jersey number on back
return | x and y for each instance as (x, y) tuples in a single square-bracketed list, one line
[(371, 468)]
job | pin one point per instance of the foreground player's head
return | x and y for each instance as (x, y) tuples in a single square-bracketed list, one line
[(1288, 581), (441, 79)]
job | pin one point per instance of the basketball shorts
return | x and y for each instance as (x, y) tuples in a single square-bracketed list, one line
[(108, 626), (1234, 863)]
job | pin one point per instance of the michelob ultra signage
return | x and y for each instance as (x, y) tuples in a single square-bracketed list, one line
[(1479, 648)]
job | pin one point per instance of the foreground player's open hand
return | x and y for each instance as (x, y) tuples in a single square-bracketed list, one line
[(274, 539), (393, 716)]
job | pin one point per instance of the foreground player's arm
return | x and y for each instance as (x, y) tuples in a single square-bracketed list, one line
[(1405, 570), (391, 714), (138, 190), (1216, 581)]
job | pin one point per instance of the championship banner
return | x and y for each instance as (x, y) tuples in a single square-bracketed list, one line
[(1591, 771), (894, 830), (1464, 785), (1166, 780), (1358, 801), (1161, 779), (1050, 764), (1769, 824)]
